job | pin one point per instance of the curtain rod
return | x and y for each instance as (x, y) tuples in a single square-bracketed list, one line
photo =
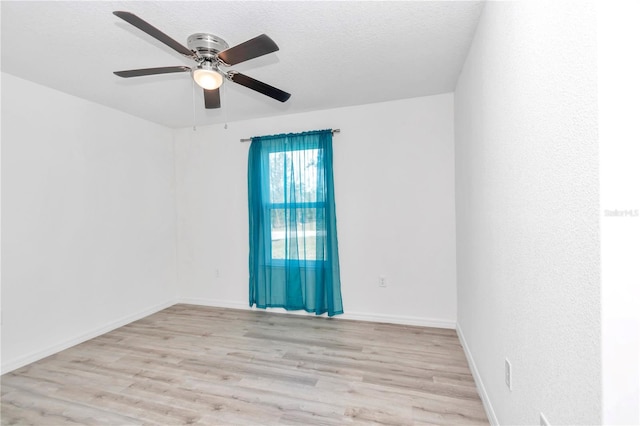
[(249, 139)]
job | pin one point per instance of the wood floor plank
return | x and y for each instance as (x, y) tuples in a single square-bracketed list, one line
[(33, 408), (201, 365)]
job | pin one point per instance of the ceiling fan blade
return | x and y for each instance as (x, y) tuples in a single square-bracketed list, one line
[(212, 98), (150, 71), (250, 49), (154, 32), (259, 86)]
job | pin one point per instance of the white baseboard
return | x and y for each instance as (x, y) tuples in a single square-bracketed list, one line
[(43, 353), (214, 303), (400, 319), (360, 316), (491, 414)]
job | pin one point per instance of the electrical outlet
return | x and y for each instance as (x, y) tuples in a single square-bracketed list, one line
[(507, 373), (382, 281), (217, 273), (543, 420)]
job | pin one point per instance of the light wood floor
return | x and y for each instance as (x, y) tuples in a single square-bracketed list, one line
[(192, 364)]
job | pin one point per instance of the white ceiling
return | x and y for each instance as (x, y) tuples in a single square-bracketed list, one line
[(331, 54)]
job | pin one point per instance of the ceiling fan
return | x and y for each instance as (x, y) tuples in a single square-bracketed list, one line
[(210, 52)]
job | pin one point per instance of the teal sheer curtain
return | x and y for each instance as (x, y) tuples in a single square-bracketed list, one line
[(293, 250)]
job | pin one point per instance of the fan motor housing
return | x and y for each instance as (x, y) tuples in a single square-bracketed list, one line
[(206, 45)]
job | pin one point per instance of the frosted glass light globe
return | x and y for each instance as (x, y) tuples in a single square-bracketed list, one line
[(207, 79)]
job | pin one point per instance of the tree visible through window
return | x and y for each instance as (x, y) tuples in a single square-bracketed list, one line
[(295, 199)]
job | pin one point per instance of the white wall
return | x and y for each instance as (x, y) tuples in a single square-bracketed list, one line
[(88, 220), (618, 92), (527, 211), (395, 208)]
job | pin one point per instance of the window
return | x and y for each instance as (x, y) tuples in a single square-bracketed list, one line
[(296, 205)]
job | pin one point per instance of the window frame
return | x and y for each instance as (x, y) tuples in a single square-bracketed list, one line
[(269, 206)]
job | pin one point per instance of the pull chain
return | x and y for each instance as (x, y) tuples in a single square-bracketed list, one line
[(193, 98), (224, 89)]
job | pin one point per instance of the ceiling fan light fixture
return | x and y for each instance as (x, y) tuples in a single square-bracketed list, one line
[(208, 79), (209, 52)]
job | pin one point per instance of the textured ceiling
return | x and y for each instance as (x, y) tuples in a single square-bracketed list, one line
[(331, 54)]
